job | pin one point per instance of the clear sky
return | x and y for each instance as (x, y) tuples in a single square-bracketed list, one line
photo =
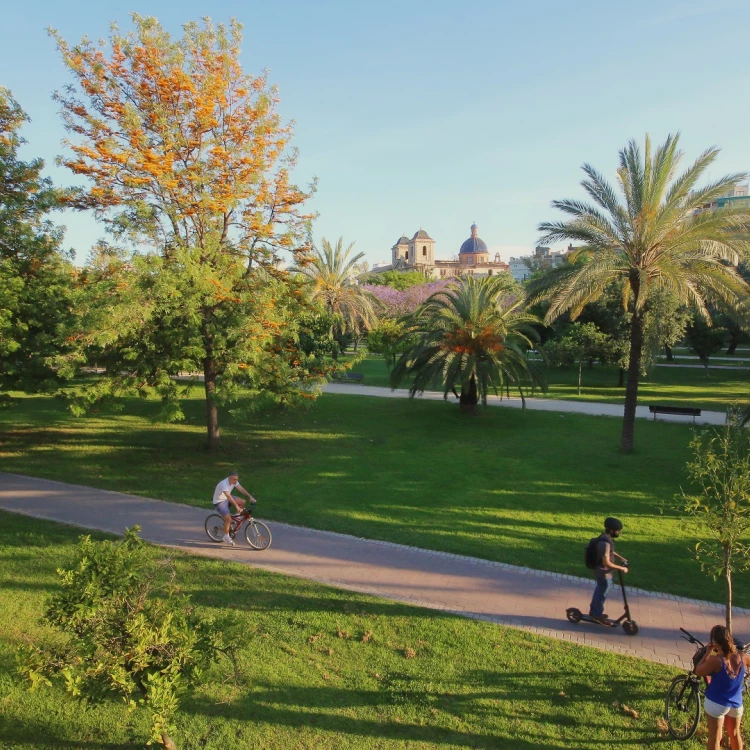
[(437, 114)]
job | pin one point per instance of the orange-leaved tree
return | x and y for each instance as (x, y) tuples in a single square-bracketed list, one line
[(186, 155)]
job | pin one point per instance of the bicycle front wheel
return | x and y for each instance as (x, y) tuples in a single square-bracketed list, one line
[(682, 708), (258, 535), (215, 527)]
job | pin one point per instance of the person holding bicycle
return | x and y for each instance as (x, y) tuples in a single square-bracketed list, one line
[(723, 701), (222, 498)]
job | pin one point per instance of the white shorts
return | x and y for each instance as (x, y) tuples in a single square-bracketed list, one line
[(717, 711)]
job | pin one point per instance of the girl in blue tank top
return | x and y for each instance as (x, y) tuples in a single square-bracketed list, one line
[(723, 704)]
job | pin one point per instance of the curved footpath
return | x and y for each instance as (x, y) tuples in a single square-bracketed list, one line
[(496, 592), (537, 404)]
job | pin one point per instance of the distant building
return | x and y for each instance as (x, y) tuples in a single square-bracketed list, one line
[(739, 195), (418, 254), (521, 268)]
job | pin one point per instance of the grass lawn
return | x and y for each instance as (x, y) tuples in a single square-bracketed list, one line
[(524, 488), (677, 386), (324, 668)]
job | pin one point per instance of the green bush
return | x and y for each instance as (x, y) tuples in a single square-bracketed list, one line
[(126, 631)]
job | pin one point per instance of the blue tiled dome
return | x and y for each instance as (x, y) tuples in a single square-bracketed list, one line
[(473, 244)]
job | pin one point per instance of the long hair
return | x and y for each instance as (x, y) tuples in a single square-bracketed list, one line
[(723, 639)]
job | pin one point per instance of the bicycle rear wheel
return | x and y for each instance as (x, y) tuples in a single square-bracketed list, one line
[(215, 527), (682, 707), (258, 535)]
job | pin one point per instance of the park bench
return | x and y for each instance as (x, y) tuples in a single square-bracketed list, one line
[(349, 377), (684, 411)]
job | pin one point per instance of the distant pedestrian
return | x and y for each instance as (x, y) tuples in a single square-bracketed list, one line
[(602, 553)]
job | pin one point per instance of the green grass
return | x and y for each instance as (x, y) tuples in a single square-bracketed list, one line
[(523, 488), (664, 385), (310, 678)]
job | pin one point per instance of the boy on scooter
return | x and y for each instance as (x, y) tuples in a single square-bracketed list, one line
[(605, 564)]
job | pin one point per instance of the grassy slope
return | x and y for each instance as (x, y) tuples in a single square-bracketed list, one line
[(528, 489), (664, 385), (470, 684)]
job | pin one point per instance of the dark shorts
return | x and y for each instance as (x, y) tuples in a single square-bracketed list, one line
[(222, 508)]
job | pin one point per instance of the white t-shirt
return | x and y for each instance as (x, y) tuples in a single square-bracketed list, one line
[(223, 490)]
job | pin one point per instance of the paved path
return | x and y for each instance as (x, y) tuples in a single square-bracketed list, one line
[(504, 594), (537, 404)]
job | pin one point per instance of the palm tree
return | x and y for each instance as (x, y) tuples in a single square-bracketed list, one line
[(472, 335), (332, 273), (651, 236)]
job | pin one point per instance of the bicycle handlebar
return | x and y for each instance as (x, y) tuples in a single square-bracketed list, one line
[(690, 638)]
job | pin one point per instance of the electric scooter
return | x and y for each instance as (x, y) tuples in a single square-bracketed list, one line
[(629, 625)]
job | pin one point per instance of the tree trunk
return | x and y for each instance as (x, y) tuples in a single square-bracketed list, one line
[(167, 741), (734, 339), (469, 399), (668, 352), (212, 414), (580, 368), (621, 378), (631, 389), (728, 569)]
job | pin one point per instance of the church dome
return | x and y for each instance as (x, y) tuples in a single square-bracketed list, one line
[(421, 235), (403, 241), (473, 244)]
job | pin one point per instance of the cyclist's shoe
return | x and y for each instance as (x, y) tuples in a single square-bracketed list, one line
[(228, 540)]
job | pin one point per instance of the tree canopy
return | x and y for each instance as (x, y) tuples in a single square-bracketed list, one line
[(37, 279), (653, 235), (187, 157)]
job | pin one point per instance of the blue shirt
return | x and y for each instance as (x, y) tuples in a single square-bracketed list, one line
[(726, 690)]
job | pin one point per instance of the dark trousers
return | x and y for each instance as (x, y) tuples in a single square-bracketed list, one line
[(601, 592)]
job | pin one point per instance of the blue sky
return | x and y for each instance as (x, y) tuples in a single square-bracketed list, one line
[(437, 114)]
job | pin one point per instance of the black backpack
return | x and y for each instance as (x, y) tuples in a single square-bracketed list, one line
[(592, 559)]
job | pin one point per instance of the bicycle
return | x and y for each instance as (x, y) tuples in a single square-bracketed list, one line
[(683, 705), (257, 534)]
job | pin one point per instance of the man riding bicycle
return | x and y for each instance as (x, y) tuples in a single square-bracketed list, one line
[(222, 498)]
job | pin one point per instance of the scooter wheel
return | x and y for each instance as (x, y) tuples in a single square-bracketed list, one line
[(574, 615), (630, 627)]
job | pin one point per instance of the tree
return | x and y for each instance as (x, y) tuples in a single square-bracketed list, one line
[(665, 325), (704, 340), (331, 273), (720, 469), (187, 157), (400, 280), (127, 632), (650, 238), (581, 343), (396, 303), (472, 335), (388, 339), (37, 279)]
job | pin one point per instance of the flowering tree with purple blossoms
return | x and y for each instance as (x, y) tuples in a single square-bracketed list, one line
[(397, 303)]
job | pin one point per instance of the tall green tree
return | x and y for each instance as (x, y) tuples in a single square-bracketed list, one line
[(472, 335), (648, 237), (187, 157), (332, 276), (37, 279)]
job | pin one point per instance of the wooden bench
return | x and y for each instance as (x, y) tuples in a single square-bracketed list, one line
[(684, 411), (349, 377)]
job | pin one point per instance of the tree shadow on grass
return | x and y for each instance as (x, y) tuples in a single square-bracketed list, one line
[(314, 706), (36, 734)]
